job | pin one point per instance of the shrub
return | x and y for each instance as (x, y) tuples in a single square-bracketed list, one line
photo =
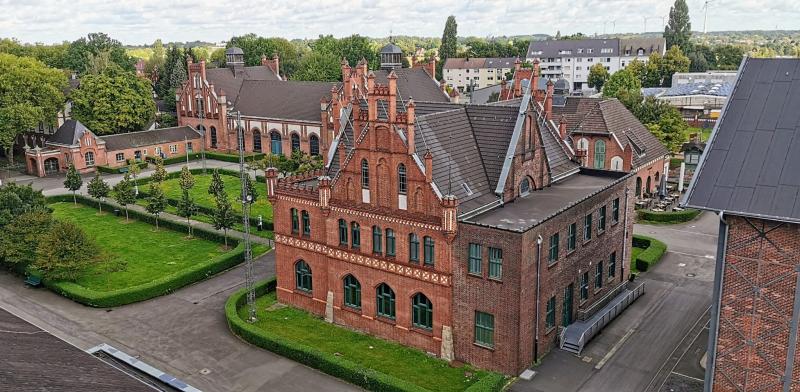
[(652, 253), (668, 216), (122, 169), (176, 159), (234, 157)]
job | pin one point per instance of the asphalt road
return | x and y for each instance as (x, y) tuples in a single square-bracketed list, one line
[(647, 344)]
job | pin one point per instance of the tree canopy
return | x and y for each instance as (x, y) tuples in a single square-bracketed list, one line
[(598, 74), (449, 45), (621, 81), (678, 30), (255, 46), (77, 57)]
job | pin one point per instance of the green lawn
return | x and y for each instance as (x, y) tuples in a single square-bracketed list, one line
[(136, 245), (405, 363), (207, 219)]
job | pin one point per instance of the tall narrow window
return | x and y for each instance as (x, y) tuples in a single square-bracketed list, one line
[(295, 221), (89, 158), (495, 263), (295, 142), (428, 251), (213, 132), (313, 144), (377, 240), (601, 221), (553, 248), (598, 275), (306, 223), (391, 248), (352, 292), (364, 174), (587, 227), (256, 140), (413, 248), (484, 329), (402, 185), (572, 234), (302, 273), (355, 234), (275, 143), (585, 286), (612, 265), (550, 318), (475, 259), (421, 311), (343, 232), (385, 301), (615, 210), (599, 154)]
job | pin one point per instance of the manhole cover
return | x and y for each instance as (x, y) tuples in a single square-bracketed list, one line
[(691, 275), (205, 371)]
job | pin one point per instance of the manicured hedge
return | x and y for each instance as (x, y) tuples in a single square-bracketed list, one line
[(120, 169), (652, 253), (668, 216), (175, 159), (233, 157), (335, 366)]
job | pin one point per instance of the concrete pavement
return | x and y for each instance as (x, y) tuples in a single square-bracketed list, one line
[(647, 344)]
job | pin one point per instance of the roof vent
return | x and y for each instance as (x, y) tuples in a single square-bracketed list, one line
[(467, 189)]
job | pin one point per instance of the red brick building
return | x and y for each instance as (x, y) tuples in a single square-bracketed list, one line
[(601, 131), (279, 116), (749, 175), (424, 227)]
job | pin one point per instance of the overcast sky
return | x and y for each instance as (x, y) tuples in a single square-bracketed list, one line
[(142, 21)]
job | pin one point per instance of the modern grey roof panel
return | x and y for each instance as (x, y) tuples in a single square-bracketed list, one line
[(698, 88), (751, 164)]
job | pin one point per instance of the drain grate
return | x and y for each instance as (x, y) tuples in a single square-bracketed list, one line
[(205, 371)]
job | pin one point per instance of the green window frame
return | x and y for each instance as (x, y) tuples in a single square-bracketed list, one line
[(601, 221), (599, 154), (553, 255), (413, 248), (303, 278), (484, 329), (550, 316), (495, 263), (355, 233), (377, 240), (615, 210), (612, 265), (428, 251), (352, 292), (343, 232), (475, 259), (295, 221), (306, 223), (587, 227), (598, 275), (422, 312), (585, 286), (364, 174), (391, 246), (572, 236), (385, 301)]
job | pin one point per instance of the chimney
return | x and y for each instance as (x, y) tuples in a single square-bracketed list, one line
[(372, 103), (347, 80), (276, 61), (410, 125), (324, 192), (428, 166), (364, 67), (264, 61), (535, 77), (335, 111), (517, 65), (272, 179), (562, 127), (392, 96), (627, 158), (432, 67), (548, 101), (449, 211)]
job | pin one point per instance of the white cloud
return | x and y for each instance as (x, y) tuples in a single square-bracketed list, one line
[(142, 21)]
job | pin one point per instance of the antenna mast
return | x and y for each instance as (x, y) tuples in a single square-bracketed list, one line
[(249, 279)]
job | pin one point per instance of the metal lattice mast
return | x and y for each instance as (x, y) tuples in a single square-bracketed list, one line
[(203, 145), (249, 279)]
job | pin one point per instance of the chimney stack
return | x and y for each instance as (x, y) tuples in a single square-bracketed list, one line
[(392, 96), (535, 77), (562, 127), (372, 102), (428, 167), (548, 101), (410, 125), (276, 61), (432, 67)]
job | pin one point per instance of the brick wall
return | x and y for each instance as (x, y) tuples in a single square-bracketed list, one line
[(150, 150)]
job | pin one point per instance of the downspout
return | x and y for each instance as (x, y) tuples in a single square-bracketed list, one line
[(536, 327), (713, 328), (625, 236)]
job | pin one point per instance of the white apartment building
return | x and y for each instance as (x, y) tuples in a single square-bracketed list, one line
[(478, 72)]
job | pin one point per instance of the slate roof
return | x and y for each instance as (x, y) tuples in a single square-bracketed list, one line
[(233, 50), (479, 62), (650, 45), (123, 141), (414, 82), (715, 89), (481, 96), (291, 100), (34, 360), (230, 79), (751, 163), (550, 48), (391, 48), (68, 133)]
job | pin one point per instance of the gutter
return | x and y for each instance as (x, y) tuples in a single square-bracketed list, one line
[(538, 281), (713, 328)]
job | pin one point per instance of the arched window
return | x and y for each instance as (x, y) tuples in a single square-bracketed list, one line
[(256, 140), (377, 240), (413, 248), (364, 174), (89, 158), (352, 292), (295, 142), (355, 233), (428, 254), (422, 311), (599, 154), (384, 299), (640, 52), (295, 221), (656, 177), (402, 185), (199, 106), (213, 137), (638, 186), (616, 163), (648, 188), (313, 143), (196, 80), (302, 273), (390, 243), (276, 145), (306, 223), (525, 187), (343, 232)]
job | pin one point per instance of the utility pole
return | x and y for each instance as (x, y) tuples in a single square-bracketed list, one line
[(705, 15), (249, 279)]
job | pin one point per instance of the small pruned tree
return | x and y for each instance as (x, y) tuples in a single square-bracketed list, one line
[(134, 170), (124, 193), (217, 186), (73, 182), (187, 208), (160, 174), (98, 189), (187, 180), (224, 217), (156, 201), (65, 251)]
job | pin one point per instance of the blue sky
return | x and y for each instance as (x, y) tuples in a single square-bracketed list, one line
[(142, 21)]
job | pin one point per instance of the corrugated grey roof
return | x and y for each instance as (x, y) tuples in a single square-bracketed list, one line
[(715, 89), (290, 100), (482, 95), (751, 164), (492, 127), (550, 48), (414, 82), (230, 80), (68, 133), (148, 138)]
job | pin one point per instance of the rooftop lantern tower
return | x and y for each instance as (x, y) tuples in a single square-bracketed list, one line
[(391, 56)]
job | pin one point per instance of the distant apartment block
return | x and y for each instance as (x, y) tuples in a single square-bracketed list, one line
[(479, 72), (572, 59)]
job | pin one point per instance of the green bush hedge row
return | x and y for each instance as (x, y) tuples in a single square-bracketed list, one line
[(668, 216), (652, 253), (175, 159), (233, 157), (120, 169), (335, 366)]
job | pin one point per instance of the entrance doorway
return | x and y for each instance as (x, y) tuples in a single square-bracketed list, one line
[(137, 155), (50, 166), (566, 306)]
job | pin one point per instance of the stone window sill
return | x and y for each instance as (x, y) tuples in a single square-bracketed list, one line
[(483, 346), (422, 331), (386, 320), (474, 275), (351, 309)]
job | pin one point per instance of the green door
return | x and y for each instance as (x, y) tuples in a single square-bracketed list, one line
[(566, 306)]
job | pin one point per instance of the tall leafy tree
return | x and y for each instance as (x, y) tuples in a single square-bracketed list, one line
[(156, 200), (30, 92), (98, 189), (598, 76), (20, 238), (250, 189), (323, 67), (113, 102), (255, 46), (217, 186), (16, 200), (73, 182), (66, 251), (449, 46), (124, 194), (621, 81), (134, 169), (673, 61), (223, 217), (671, 129), (178, 73), (186, 181), (728, 57), (78, 54), (678, 31)]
